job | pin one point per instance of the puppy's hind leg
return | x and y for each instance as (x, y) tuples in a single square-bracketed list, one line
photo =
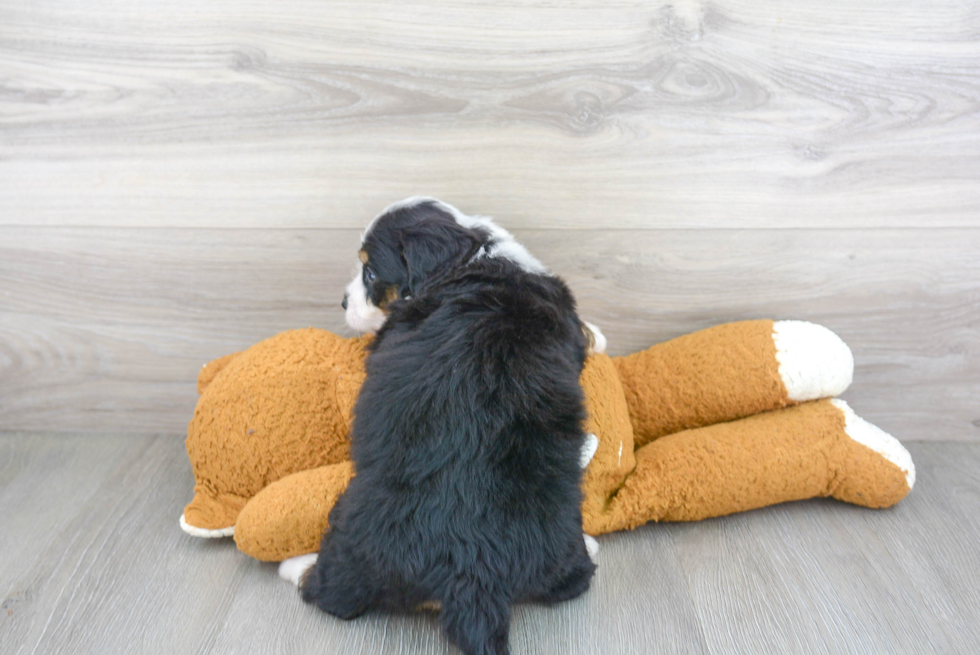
[(338, 585), (476, 618), (575, 580), (573, 584), (294, 568)]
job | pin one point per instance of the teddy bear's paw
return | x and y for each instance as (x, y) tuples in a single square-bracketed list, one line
[(294, 568), (813, 361), (598, 339), (592, 546), (195, 531), (877, 440)]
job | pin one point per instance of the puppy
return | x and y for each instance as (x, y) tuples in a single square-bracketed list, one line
[(467, 431)]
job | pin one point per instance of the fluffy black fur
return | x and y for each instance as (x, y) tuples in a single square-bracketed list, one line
[(415, 246), (466, 441)]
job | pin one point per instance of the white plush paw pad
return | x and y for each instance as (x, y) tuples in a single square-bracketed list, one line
[(592, 546), (813, 361), (294, 568), (870, 435), (598, 338), (204, 532), (589, 449)]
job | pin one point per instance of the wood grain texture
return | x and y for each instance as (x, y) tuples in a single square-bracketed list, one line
[(681, 162), (663, 114), (108, 570), (105, 329)]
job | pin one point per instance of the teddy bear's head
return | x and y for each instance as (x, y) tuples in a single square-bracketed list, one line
[(282, 406)]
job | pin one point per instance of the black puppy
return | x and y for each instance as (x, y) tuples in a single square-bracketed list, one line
[(467, 433)]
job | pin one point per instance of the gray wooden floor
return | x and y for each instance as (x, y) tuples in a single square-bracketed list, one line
[(94, 562)]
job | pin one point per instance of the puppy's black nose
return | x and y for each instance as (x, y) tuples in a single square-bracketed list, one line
[(344, 303)]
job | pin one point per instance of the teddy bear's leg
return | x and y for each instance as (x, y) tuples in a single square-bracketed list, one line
[(813, 449), (731, 371), (211, 514), (870, 455), (813, 361), (205, 533)]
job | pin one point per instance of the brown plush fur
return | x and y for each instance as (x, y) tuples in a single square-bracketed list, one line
[(696, 427), (280, 407)]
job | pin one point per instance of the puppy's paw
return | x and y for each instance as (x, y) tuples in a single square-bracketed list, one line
[(588, 449), (592, 546), (596, 338), (294, 568)]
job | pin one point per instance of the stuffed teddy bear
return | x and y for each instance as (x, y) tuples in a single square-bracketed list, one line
[(728, 419)]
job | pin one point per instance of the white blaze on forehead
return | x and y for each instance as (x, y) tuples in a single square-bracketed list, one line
[(361, 314), (503, 245)]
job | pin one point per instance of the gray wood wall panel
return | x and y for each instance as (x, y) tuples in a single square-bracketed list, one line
[(97, 564), (106, 328), (674, 114), (180, 180)]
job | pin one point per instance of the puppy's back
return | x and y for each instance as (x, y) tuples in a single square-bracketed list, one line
[(466, 443)]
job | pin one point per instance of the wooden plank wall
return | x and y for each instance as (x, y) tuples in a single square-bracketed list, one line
[(181, 179)]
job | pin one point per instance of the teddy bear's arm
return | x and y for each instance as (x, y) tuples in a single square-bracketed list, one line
[(813, 449), (731, 371), (288, 517)]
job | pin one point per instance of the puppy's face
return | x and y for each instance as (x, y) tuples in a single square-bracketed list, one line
[(402, 249), (367, 297)]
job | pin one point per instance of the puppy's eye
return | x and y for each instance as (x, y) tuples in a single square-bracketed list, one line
[(370, 275)]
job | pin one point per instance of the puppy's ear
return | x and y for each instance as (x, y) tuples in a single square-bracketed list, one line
[(434, 247)]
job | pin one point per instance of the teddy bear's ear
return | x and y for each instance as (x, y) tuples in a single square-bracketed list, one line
[(211, 369)]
